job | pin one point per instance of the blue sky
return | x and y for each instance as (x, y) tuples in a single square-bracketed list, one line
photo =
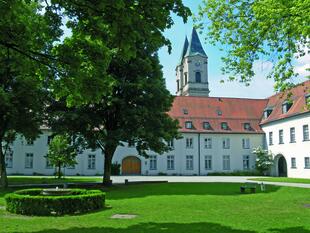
[(260, 87)]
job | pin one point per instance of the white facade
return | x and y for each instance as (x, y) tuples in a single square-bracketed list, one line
[(295, 151), (183, 159)]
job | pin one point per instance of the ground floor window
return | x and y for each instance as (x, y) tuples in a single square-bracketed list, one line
[(170, 162), (91, 163), (307, 162), (9, 158), (293, 162), (189, 162), (246, 162), (226, 162), (29, 160), (48, 164), (153, 162), (208, 162)]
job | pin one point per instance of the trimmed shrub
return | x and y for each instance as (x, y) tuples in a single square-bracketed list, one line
[(115, 169), (32, 202)]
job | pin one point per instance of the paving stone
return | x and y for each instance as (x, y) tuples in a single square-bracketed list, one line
[(123, 216)]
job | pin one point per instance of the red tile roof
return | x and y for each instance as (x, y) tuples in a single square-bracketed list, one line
[(234, 111), (275, 102)]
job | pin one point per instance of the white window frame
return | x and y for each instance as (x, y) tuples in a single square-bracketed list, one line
[(208, 143), (29, 160), (226, 143), (281, 136), (246, 143), (226, 162), (189, 143), (292, 135), (189, 125), (189, 162), (153, 162), (270, 138), (246, 162), (293, 162), (91, 162), (170, 162), (305, 131), (208, 162)]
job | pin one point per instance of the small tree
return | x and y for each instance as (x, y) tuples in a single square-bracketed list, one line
[(61, 153), (264, 160)]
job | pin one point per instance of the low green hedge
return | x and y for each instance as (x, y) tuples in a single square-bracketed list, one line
[(32, 202)]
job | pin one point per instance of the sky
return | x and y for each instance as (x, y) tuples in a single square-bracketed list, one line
[(260, 87)]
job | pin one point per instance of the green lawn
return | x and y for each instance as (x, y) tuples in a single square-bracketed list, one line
[(180, 208), (283, 179), (50, 180)]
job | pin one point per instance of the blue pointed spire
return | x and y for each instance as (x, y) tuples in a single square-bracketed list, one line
[(195, 47), (185, 46)]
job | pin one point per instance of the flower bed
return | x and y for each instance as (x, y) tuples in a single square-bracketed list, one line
[(33, 202)]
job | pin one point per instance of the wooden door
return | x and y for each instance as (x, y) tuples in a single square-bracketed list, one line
[(131, 165)]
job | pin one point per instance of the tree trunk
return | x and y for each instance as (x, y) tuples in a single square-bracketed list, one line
[(59, 170), (108, 155), (4, 178)]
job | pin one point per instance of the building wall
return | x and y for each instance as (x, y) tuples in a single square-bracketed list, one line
[(236, 152), (299, 150)]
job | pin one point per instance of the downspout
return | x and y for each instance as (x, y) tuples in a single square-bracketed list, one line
[(199, 154)]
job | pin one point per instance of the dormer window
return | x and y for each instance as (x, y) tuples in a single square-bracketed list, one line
[(219, 112), (267, 112), (206, 125), (307, 97), (185, 111), (286, 106), (247, 126), (224, 126), (188, 125)]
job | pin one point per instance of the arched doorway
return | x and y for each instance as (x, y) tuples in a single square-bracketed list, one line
[(131, 165), (282, 167)]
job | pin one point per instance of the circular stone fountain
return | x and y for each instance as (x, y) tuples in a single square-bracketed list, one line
[(56, 192)]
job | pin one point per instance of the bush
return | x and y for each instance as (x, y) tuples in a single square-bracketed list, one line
[(115, 169), (32, 202)]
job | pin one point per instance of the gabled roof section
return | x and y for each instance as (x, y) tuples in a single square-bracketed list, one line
[(297, 97), (234, 111), (185, 47), (195, 47)]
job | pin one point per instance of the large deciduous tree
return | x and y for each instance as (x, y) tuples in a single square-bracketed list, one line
[(259, 29), (25, 41)]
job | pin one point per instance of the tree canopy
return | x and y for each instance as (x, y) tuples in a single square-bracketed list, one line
[(253, 30)]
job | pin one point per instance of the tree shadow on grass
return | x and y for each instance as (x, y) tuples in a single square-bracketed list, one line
[(201, 227), (143, 190)]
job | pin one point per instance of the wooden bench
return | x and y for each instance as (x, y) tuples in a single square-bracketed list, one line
[(248, 185)]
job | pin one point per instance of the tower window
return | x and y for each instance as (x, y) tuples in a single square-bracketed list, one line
[(178, 85), (185, 78), (198, 77)]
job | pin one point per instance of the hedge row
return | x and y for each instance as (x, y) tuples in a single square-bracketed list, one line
[(32, 202)]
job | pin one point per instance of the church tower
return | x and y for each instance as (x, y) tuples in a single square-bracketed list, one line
[(192, 70)]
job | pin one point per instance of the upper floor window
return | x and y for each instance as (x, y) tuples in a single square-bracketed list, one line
[(305, 130), (206, 125), (270, 138), (247, 126), (189, 125), (224, 125), (281, 140), (226, 143), (246, 143), (198, 77), (286, 106), (29, 142), (208, 143), (292, 135), (189, 142)]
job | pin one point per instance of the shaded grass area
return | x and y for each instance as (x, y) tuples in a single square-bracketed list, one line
[(180, 208), (14, 180), (283, 179)]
